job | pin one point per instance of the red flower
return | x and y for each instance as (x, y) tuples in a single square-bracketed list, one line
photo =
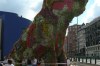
[(30, 32), (57, 38), (39, 51), (60, 5)]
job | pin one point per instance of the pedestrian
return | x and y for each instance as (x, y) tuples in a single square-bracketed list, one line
[(9, 63), (38, 62), (34, 61), (23, 62), (29, 63), (10, 58), (1, 64), (68, 62)]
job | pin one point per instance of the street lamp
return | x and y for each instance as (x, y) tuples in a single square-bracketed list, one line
[(77, 37)]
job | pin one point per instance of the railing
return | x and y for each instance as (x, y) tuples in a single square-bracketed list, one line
[(90, 60), (42, 64)]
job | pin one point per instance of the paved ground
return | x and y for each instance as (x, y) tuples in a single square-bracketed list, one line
[(82, 64)]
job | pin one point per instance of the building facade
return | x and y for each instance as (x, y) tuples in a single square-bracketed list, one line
[(0, 37), (0, 32), (72, 40), (92, 32), (81, 41)]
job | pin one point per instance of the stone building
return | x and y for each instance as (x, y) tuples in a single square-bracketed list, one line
[(93, 38), (81, 41), (72, 40)]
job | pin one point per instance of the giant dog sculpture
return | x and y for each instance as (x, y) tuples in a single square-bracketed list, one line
[(45, 36)]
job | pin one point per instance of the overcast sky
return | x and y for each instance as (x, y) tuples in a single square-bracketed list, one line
[(26, 8), (29, 8)]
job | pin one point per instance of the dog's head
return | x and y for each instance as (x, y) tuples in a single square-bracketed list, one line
[(77, 6)]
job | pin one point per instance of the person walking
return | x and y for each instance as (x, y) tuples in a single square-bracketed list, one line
[(9, 63), (68, 62), (34, 62), (23, 62), (29, 63), (1, 64), (38, 62)]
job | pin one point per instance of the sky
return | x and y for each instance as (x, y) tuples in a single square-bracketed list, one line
[(29, 8), (25, 8)]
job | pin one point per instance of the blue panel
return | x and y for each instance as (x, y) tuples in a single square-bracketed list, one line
[(13, 25)]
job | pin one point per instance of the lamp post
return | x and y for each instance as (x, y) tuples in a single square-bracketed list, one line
[(77, 38)]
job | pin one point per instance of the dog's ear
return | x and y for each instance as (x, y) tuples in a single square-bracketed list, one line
[(79, 7)]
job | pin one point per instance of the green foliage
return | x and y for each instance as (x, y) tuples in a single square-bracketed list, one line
[(28, 53)]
